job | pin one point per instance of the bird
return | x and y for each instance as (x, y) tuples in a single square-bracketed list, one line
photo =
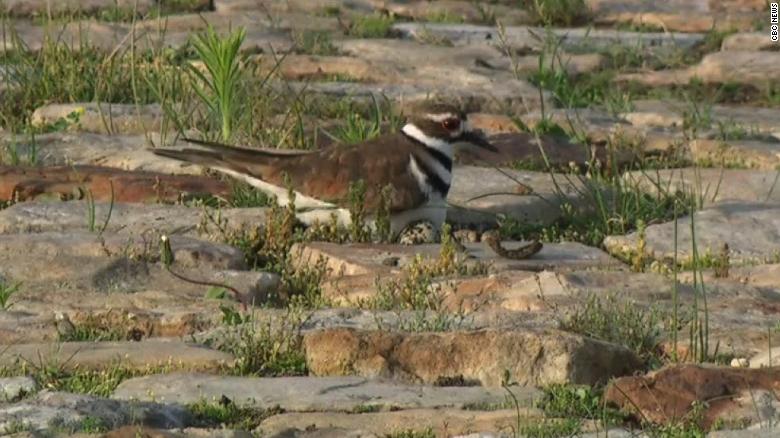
[(416, 161), (64, 326)]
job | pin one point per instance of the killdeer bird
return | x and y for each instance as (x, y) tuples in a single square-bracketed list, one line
[(416, 162)]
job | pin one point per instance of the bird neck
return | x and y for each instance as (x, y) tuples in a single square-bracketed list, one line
[(437, 144)]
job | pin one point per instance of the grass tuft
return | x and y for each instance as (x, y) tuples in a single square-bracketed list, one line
[(371, 26), (220, 88), (564, 13), (226, 414), (620, 321)]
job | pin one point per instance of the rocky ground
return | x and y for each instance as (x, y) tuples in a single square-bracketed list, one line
[(639, 141)]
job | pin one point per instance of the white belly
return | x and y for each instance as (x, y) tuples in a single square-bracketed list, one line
[(311, 210)]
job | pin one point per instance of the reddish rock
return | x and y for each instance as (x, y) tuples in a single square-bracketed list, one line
[(74, 182), (667, 396)]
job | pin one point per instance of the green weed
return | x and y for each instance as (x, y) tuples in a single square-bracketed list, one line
[(225, 413), (7, 290), (558, 12), (55, 374), (245, 196), (220, 89), (576, 401), (552, 428), (264, 348), (371, 26), (444, 16), (93, 329), (313, 42), (620, 321), (410, 433), (88, 424)]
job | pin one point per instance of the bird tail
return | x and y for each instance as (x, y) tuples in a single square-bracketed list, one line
[(217, 155)]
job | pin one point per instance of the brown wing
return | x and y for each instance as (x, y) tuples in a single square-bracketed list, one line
[(327, 174)]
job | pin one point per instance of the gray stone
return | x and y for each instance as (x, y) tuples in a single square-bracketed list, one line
[(127, 219), (443, 422), (522, 38), (15, 387), (671, 114), (67, 249), (677, 15), (104, 355), (747, 41), (123, 152), (101, 118), (60, 410), (763, 431), (708, 186), (751, 230), (479, 194), (307, 393), (369, 259), (329, 432), (257, 286), (411, 55), (482, 92), (748, 68), (753, 154)]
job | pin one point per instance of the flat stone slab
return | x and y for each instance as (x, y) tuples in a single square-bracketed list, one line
[(16, 387), (522, 37), (751, 230), (531, 357), (410, 55), (443, 422), (308, 393), (23, 183), (716, 68), (753, 154), (126, 219), (747, 41), (126, 152), (708, 186), (22, 255), (479, 193), (483, 92), (676, 15), (373, 259), (104, 355), (55, 411), (101, 118), (671, 114)]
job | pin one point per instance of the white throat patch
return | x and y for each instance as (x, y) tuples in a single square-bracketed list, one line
[(433, 143)]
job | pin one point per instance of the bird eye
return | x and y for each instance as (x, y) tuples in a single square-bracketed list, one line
[(451, 124)]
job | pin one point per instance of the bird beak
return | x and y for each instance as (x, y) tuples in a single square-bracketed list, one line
[(477, 139)]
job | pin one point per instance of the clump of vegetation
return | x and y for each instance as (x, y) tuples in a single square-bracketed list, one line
[(558, 12), (577, 401), (314, 42), (411, 433), (220, 88), (93, 329), (227, 414), (56, 374), (7, 290), (273, 347), (619, 321), (371, 26)]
